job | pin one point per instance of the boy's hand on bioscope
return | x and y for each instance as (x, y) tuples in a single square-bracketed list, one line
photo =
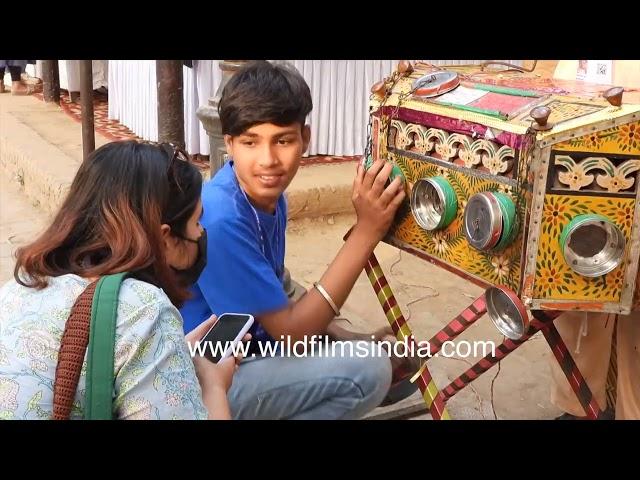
[(375, 204)]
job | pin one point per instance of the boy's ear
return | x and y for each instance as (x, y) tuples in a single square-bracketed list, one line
[(228, 143), (306, 137)]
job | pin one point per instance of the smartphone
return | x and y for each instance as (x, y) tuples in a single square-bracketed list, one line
[(227, 331)]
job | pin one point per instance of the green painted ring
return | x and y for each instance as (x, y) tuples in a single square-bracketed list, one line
[(450, 201), (509, 220), (395, 171)]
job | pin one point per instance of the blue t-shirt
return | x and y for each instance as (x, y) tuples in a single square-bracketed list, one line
[(245, 256)]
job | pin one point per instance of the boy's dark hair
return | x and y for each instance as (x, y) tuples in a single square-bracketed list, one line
[(261, 92)]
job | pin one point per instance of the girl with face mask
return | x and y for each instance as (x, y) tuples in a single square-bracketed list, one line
[(132, 207)]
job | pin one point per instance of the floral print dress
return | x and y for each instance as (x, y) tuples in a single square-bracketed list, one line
[(154, 374)]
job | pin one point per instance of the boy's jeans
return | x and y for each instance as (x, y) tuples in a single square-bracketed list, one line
[(311, 388)]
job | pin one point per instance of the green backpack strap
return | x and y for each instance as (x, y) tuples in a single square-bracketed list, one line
[(100, 355)]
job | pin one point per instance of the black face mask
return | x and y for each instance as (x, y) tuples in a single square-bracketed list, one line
[(190, 275)]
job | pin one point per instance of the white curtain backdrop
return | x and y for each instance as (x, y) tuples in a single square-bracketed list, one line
[(69, 71), (133, 96), (339, 89)]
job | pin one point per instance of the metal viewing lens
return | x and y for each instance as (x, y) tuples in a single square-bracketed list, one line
[(507, 312), (592, 245), (433, 203)]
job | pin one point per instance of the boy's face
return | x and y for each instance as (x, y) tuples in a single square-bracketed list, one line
[(266, 158)]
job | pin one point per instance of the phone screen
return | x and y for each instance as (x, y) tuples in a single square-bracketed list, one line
[(223, 333)]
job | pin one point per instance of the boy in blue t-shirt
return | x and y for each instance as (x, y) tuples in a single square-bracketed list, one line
[(262, 111)]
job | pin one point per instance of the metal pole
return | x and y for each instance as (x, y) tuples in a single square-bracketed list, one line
[(86, 102), (51, 81), (170, 102)]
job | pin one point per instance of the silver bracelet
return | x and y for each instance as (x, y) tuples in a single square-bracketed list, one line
[(327, 297)]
